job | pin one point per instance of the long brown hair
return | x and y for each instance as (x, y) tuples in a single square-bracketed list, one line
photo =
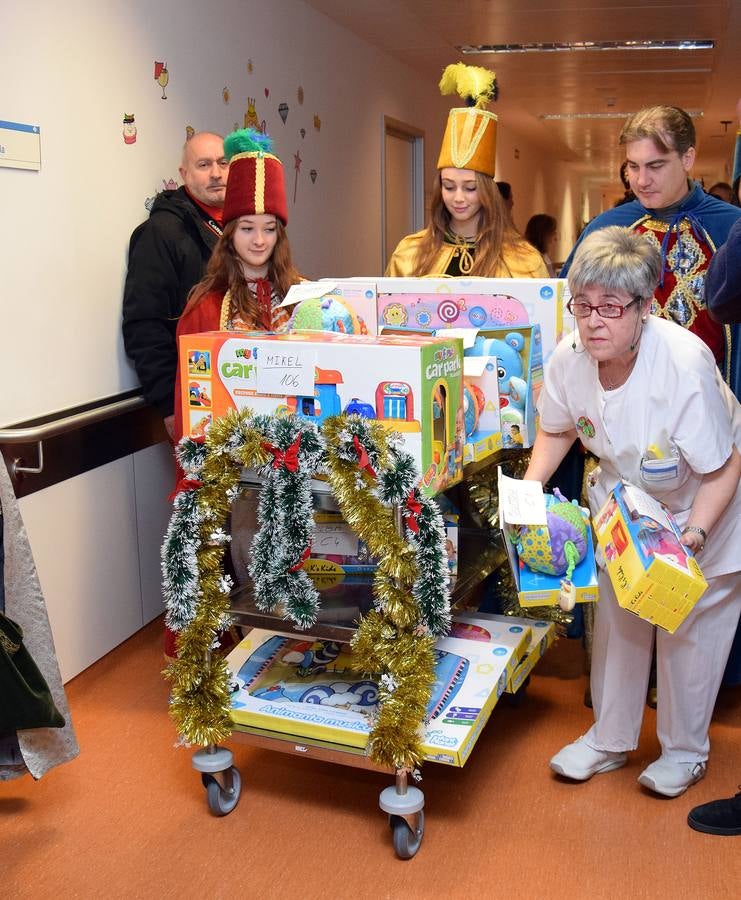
[(494, 230), (224, 273)]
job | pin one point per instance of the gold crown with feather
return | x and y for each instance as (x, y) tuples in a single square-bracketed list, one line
[(470, 139)]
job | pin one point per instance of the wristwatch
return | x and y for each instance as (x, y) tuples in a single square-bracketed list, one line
[(697, 530)]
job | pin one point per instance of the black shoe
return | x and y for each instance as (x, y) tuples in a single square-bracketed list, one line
[(717, 817)]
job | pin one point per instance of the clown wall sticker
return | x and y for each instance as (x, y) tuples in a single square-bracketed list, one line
[(129, 129)]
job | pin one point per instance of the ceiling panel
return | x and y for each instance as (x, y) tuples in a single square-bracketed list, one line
[(425, 33)]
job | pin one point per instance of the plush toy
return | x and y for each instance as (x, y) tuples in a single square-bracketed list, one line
[(324, 314), (512, 387), (473, 404), (557, 547)]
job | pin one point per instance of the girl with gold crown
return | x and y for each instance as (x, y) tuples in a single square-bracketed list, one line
[(469, 232)]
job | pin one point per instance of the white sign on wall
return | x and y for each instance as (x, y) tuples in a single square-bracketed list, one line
[(20, 145)]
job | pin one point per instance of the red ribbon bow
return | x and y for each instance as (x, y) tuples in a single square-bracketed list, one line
[(363, 458), (287, 457), (412, 510), (304, 556), (185, 484)]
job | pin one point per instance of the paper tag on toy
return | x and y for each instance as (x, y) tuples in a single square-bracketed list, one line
[(520, 502), (307, 290), (567, 595)]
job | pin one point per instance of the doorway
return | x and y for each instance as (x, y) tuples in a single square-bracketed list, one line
[(402, 174)]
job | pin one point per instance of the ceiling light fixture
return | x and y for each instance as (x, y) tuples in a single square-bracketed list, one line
[(563, 46), (694, 113)]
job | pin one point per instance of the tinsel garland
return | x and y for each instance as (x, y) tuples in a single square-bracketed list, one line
[(369, 473)]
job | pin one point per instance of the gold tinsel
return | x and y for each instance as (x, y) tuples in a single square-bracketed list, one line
[(386, 641)]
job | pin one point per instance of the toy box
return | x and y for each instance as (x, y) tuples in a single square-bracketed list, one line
[(333, 305), (307, 689), (654, 575), (337, 550), (539, 588), (502, 378), (412, 384), (484, 627), (436, 304)]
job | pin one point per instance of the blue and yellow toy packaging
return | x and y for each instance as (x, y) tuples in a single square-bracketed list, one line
[(653, 574), (411, 384), (308, 689)]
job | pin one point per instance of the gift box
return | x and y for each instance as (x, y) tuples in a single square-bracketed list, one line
[(542, 636), (411, 384), (434, 305), (540, 588), (502, 378), (653, 574), (308, 689)]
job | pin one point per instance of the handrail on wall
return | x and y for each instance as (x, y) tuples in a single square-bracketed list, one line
[(63, 425)]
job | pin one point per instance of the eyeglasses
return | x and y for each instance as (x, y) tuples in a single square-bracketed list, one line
[(582, 310)]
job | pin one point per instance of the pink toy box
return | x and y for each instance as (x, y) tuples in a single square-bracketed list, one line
[(412, 384)]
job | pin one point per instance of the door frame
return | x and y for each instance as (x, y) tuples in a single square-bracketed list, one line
[(416, 136)]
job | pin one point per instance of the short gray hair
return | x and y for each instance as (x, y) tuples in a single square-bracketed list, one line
[(617, 259)]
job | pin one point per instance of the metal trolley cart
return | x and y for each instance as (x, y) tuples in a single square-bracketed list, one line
[(403, 802)]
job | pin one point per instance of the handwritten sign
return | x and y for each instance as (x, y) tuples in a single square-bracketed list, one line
[(288, 370), (520, 502), (335, 539)]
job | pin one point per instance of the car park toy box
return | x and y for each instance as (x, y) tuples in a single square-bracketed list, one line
[(411, 384), (653, 574), (307, 689)]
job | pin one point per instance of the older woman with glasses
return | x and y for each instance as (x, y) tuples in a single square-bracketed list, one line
[(634, 387)]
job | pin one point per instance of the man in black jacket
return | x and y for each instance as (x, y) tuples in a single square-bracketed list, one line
[(168, 254)]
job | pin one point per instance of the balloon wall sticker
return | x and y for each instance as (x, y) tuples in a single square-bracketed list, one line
[(189, 132), (225, 95), (283, 111), (129, 129), (250, 67), (161, 76), (312, 174), (297, 168), (300, 95), (317, 122), (267, 92), (251, 119), (302, 132)]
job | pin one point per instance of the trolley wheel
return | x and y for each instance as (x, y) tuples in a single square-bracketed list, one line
[(222, 800), (406, 841)]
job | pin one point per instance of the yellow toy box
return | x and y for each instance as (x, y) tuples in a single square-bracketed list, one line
[(411, 384), (305, 688), (654, 575)]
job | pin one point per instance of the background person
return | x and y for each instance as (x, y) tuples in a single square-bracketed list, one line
[(469, 232), (542, 232), (623, 382), (680, 220), (168, 254), (723, 298)]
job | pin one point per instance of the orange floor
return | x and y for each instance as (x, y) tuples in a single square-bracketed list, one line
[(128, 818)]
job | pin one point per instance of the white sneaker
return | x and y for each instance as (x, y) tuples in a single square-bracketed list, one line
[(580, 761), (670, 779)]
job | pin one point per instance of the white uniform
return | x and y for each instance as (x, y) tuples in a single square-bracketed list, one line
[(675, 401)]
